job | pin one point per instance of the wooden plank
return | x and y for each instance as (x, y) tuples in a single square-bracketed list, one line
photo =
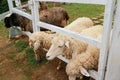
[(103, 2), (93, 74), (36, 15), (10, 4), (72, 34), (108, 17), (2, 16), (113, 67), (22, 6), (14, 10), (63, 59)]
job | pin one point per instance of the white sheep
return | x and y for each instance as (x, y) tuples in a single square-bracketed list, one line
[(40, 41), (88, 60), (65, 45), (79, 24)]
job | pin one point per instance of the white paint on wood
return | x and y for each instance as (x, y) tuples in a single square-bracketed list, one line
[(22, 6), (2, 16), (103, 2), (22, 13), (27, 33), (108, 17), (113, 67), (10, 4), (63, 58), (36, 15), (93, 74), (72, 34)]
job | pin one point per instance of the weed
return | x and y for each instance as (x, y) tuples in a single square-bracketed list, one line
[(20, 45), (30, 57)]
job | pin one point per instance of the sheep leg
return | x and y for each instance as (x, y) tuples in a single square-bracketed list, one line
[(59, 65)]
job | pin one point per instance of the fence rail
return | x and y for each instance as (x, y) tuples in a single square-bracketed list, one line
[(103, 2), (2, 16), (72, 34)]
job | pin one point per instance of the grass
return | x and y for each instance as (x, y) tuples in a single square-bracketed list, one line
[(21, 45), (3, 31), (30, 57), (80, 10)]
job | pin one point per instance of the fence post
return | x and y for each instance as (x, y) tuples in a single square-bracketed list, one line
[(10, 4), (108, 17), (113, 67), (35, 15)]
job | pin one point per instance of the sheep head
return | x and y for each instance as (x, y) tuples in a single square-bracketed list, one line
[(11, 20), (56, 49), (75, 70)]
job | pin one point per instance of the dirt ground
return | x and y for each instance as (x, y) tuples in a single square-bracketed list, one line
[(11, 69)]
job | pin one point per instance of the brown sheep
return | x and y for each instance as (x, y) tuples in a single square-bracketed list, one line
[(55, 16)]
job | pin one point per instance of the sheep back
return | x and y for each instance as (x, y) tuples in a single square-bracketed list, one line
[(54, 16), (80, 24)]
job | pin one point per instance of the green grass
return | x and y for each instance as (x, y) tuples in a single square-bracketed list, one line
[(80, 10), (3, 31), (20, 45), (30, 57)]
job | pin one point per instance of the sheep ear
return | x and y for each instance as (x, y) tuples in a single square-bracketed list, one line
[(84, 72), (67, 44)]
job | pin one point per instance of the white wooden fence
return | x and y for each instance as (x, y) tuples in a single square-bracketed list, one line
[(113, 66)]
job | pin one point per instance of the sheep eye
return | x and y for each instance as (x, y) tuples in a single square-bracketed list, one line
[(60, 46)]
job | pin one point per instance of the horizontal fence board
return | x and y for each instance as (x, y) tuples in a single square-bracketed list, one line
[(22, 13), (93, 74), (103, 2), (2, 16), (63, 58), (72, 34)]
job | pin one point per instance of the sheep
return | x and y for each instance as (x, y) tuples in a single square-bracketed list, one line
[(56, 16), (17, 20), (81, 23), (64, 45), (40, 41), (88, 60)]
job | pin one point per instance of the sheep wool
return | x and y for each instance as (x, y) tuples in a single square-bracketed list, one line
[(39, 41), (80, 24), (65, 45), (78, 65), (55, 16)]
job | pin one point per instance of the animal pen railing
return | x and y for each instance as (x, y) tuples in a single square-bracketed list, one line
[(110, 8)]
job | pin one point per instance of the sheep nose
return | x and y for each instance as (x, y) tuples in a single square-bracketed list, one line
[(47, 57)]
